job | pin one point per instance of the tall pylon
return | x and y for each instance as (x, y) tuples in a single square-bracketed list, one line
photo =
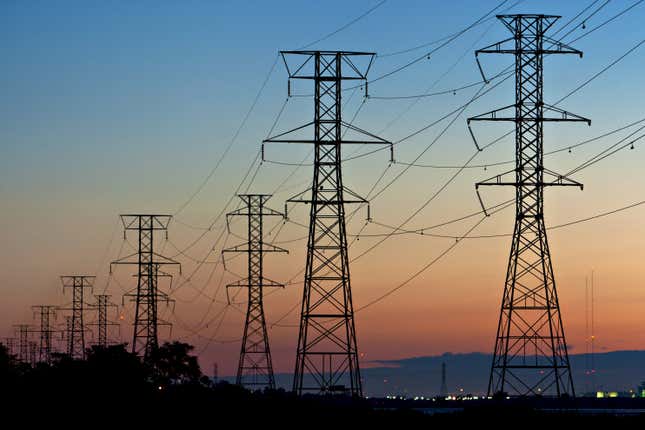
[(46, 315), (103, 322), (327, 354), (147, 294), (530, 355), (76, 339), (255, 369)]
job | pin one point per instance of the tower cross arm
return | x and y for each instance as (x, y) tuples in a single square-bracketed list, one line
[(495, 115), (504, 179), (86, 281), (360, 136), (161, 259), (558, 47), (245, 247), (245, 282), (497, 48), (563, 115), (305, 197), (303, 67), (159, 222), (507, 113)]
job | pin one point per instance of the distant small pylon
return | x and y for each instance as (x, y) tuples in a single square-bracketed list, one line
[(443, 391)]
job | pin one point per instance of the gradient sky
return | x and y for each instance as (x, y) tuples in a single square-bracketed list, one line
[(112, 107)]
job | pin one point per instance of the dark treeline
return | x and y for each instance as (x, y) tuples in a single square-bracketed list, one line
[(114, 383), (115, 386)]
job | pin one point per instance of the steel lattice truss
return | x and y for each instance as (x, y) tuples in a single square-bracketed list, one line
[(327, 354), (255, 368), (46, 314), (530, 356), (76, 330), (102, 304), (23, 342), (67, 334), (147, 295)]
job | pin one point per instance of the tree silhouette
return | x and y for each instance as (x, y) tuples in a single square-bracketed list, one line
[(172, 364), (116, 368)]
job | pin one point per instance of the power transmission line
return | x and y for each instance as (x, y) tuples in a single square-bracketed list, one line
[(602, 24), (349, 24)]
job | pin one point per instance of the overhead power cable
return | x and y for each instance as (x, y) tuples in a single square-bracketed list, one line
[(349, 24)]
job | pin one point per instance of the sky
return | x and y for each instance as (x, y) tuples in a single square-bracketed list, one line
[(123, 107)]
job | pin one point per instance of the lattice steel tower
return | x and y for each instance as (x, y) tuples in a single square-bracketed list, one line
[(255, 368), (23, 342), (66, 335), (46, 314), (147, 294), (530, 356), (102, 304), (327, 354), (76, 339)]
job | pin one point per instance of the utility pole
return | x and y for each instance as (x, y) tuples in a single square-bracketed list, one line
[(23, 342), (102, 304), (327, 354), (255, 368), (147, 294), (46, 314), (76, 339), (530, 356)]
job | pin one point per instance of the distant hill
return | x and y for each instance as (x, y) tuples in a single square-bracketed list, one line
[(421, 376)]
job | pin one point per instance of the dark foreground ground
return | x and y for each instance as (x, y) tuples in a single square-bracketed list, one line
[(226, 405), (113, 388)]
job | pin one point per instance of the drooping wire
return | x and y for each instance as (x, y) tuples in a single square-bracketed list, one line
[(232, 141), (434, 50), (425, 267), (343, 27), (602, 24), (600, 72), (552, 152)]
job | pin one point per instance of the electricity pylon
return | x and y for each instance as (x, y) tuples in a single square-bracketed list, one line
[(102, 304), (327, 354), (78, 283), (255, 368), (147, 295), (530, 356), (443, 391), (23, 342), (46, 315)]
